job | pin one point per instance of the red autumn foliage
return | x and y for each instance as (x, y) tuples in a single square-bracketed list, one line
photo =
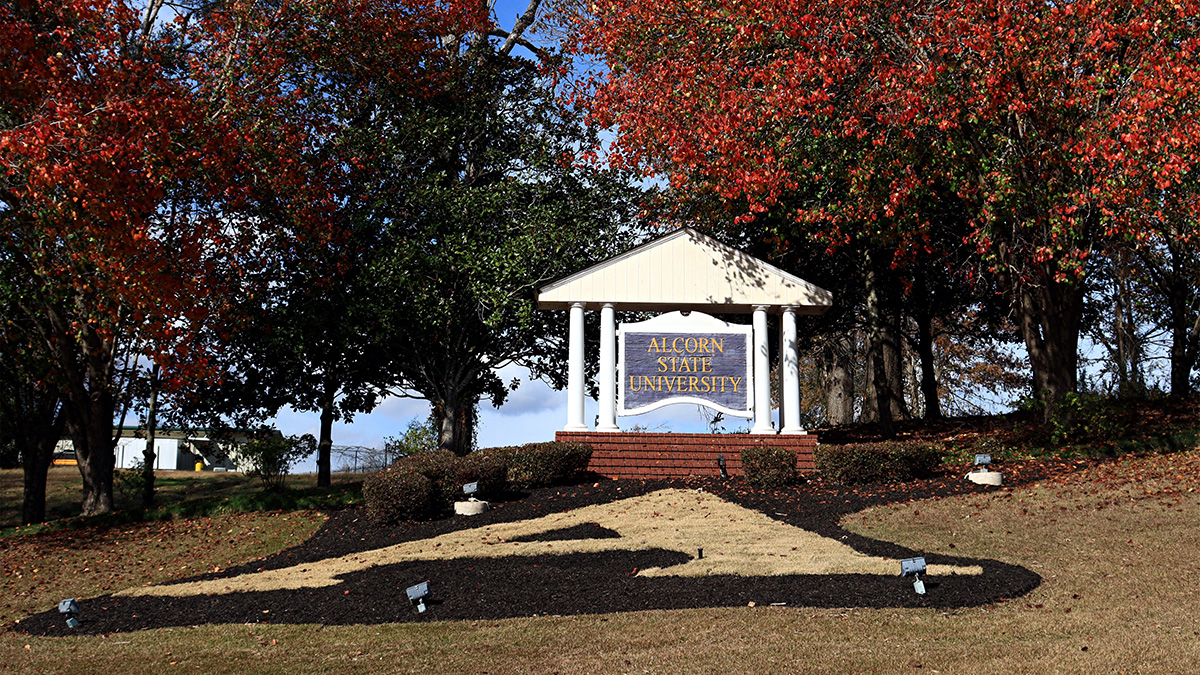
[(95, 136), (1060, 126)]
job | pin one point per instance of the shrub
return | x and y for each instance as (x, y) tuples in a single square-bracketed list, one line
[(398, 493), (540, 464), (488, 470), (131, 482), (270, 457), (769, 467), (417, 437), (441, 468), (888, 462)]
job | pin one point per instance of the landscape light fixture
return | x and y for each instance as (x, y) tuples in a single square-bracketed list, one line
[(70, 608), (471, 488), (914, 567), (418, 594), (983, 473), (721, 466), (699, 554)]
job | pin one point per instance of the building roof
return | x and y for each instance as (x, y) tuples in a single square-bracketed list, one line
[(685, 270)]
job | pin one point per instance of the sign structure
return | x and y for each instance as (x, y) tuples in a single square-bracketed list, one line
[(685, 358)]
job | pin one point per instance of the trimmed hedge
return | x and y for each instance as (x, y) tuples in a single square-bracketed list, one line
[(426, 484), (541, 464), (887, 462), (487, 470), (441, 468), (397, 493), (769, 467)]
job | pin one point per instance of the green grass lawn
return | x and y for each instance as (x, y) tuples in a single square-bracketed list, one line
[(178, 494), (1115, 542)]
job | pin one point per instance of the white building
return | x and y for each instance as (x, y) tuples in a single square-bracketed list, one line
[(174, 450)]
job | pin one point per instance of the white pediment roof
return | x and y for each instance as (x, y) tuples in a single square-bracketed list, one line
[(685, 270)]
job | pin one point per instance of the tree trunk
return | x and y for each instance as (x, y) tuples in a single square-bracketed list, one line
[(1049, 316), (148, 454), (89, 405), (1185, 344), (36, 457), (839, 380), (893, 358), (929, 387), (454, 418), (94, 452), (1127, 350), (1185, 331), (446, 415), (325, 445), (877, 406)]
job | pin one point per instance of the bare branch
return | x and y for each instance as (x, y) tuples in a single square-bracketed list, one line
[(516, 36)]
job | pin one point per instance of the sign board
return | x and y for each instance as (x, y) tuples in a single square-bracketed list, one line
[(685, 358)]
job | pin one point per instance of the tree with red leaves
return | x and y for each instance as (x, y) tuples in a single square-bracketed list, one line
[(1062, 128), (98, 273)]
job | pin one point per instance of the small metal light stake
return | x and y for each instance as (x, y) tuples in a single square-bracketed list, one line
[(471, 488), (914, 567), (418, 594), (699, 554), (721, 465), (70, 608), (983, 460)]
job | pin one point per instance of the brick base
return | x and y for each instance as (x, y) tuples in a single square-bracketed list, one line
[(651, 455)]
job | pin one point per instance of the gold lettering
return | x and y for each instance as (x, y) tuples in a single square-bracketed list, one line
[(662, 364), (719, 344), (633, 383), (683, 365), (675, 345), (707, 382), (690, 345), (653, 346), (648, 384), (735, 381), (706, 364), (692, 383)]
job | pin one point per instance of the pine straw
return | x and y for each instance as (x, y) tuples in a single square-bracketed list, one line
[(736, 541)]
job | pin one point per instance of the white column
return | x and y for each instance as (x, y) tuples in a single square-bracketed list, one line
[(762, 375), (575, 371), (608, 371), (789, 360)]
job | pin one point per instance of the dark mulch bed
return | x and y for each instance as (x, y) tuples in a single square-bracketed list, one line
[(589, 583)]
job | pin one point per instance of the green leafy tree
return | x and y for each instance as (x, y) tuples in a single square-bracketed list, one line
[(500, 207), (428, 175)]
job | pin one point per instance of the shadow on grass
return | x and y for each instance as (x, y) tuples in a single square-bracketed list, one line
[(288, 499)]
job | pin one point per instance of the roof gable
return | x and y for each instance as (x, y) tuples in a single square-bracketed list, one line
[(685, 270)]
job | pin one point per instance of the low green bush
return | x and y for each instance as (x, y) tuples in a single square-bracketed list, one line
[(441, 468), (426, 484), (769, 467), (397, 493), (270, 456), (488, 470), (887, 462), (541, 464)]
